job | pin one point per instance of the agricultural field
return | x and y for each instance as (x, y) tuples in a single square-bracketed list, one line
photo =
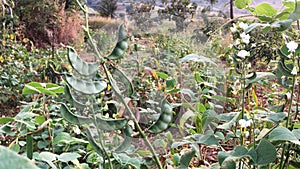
[(150, 84)]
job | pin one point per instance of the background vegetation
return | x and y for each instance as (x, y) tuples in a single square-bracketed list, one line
[(149, 84)]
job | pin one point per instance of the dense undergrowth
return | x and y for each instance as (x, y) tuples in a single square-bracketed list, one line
[(156, 91)]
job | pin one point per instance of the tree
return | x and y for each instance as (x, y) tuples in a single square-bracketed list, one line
[(50, 22), (107, 8)]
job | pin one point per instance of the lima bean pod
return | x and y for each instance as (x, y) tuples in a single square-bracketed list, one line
[(86, 87), (82, 67), (72, 118), (127, 130), (164, 119), (110, 124), (122, 44), (121, 77), (71, 99), (284, 69)]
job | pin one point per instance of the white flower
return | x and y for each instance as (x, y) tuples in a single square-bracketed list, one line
[(294, 71), (237, 41), (292, 46), (243, 25), (244, 123), (76, 130), (243, 54), (245, 37), (230, 46), (233, 28)]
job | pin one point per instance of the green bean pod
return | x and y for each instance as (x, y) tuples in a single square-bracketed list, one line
[(164, 119), (121, 46), (110, 124), (82, 67), (127, 130), (71, 99), (72, 118), (84, 86), (284, 69)]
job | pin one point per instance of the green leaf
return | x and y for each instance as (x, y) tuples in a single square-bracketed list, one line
[(265, 9), (5, 120), (266, 153), (197, 58), (171, 83), (66, 138), (186, 159), (10, 159), (262, 76), (282, 134), (125, 160), (255, 25), (231, 118), (45, 88), (282, 25), (82, 67), (40, 119), (240, 4), (48, 157), (161, 75), (207, 139), (296, 133), (86, 87), (66, 157)]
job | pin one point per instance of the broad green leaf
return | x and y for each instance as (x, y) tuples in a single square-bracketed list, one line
[(197, 58), (188, 114), (171, 83), (10, 159), (266, 153), (265, 9), (5, 120), (186, 159), (86, 87), (296, 133), (66, 157), (161, 75), (282, 134), (239, 151), (207, 139), (82, 67), (200, 108), (125, 160), (282, 25), (233, 117), (66, 138), (45, 88), (178, 144), (40, 119), (272, 117), (240, 4), (48, 157)]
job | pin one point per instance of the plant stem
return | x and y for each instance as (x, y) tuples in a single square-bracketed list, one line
[(100, 135), (142, 133), (117, 91), (291, 102)]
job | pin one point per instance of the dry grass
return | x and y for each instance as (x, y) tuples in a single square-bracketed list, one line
[(97, 22)]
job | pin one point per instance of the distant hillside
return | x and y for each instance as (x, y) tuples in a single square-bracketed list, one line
[(220, 5)]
